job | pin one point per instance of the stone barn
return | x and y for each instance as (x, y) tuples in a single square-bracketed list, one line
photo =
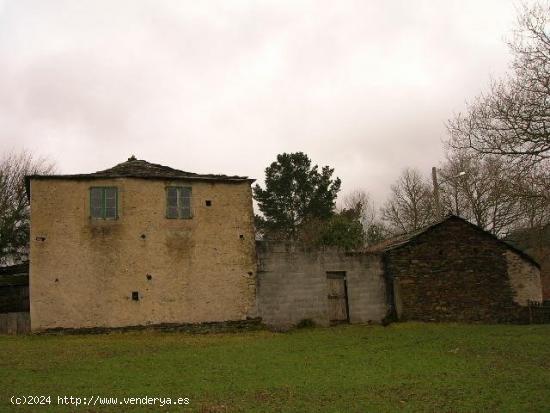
[(140, 244), (449, 271), (454, 271)]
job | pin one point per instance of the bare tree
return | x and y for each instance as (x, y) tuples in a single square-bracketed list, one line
[(411, 204), (509, 127), (485, 194), (530, 188), (513, 118), (14, 204), (451, 183), (374, 228)]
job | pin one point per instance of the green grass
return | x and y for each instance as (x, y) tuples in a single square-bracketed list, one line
[(403, 367)]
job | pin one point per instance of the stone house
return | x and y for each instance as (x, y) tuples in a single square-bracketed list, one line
[(140, 244), (454, 271)]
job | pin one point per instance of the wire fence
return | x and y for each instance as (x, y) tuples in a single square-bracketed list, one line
[(539, 312)]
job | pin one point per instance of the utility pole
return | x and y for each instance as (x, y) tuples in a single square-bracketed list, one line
[(437, 201), (436, 192)]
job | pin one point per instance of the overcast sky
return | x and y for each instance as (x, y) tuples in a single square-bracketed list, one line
[(223, 87)]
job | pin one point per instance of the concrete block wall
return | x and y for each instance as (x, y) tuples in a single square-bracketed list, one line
[(292, 284), (366, 286)]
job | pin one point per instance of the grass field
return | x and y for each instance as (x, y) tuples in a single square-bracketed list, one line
[(403, 367)]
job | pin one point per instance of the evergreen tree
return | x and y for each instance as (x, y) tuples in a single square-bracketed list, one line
[(294, 193)]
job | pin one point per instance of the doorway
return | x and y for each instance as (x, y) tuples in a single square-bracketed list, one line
[(338, 309)]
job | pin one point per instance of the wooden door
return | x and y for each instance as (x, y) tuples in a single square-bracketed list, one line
[(337, 297)]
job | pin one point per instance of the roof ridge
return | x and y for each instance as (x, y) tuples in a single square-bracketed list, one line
[(140, 168), (147, 163), (383, 246)]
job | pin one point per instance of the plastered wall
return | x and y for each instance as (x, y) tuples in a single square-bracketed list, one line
[(83, 271)]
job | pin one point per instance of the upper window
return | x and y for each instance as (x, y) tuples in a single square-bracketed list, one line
[(178, 202), (104, 202)]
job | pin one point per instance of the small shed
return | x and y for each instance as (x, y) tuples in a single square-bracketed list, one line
[(453, 270)]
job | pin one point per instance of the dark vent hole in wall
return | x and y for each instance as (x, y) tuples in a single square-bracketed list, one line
[(135, 295), (208, 203)]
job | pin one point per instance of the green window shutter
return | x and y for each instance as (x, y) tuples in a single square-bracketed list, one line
[(178, 202), (104, 202), (96, 202), (110, 203), (184, 202), (171, 202)]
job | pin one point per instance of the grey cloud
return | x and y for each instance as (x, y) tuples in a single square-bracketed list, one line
[(224, 86)]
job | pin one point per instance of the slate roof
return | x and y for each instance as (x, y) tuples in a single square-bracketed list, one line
[(404, 239), (138, 168)]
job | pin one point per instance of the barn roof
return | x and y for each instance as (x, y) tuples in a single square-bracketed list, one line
[(404, 239)]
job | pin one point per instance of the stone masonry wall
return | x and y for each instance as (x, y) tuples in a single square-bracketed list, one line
[(524, 278), (454, 272), (292, 284), (83, 271), (542, 254)]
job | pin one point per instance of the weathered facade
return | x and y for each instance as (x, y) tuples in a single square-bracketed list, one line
[(454, 271), (327, 285), (536, 243), (177, 248)]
